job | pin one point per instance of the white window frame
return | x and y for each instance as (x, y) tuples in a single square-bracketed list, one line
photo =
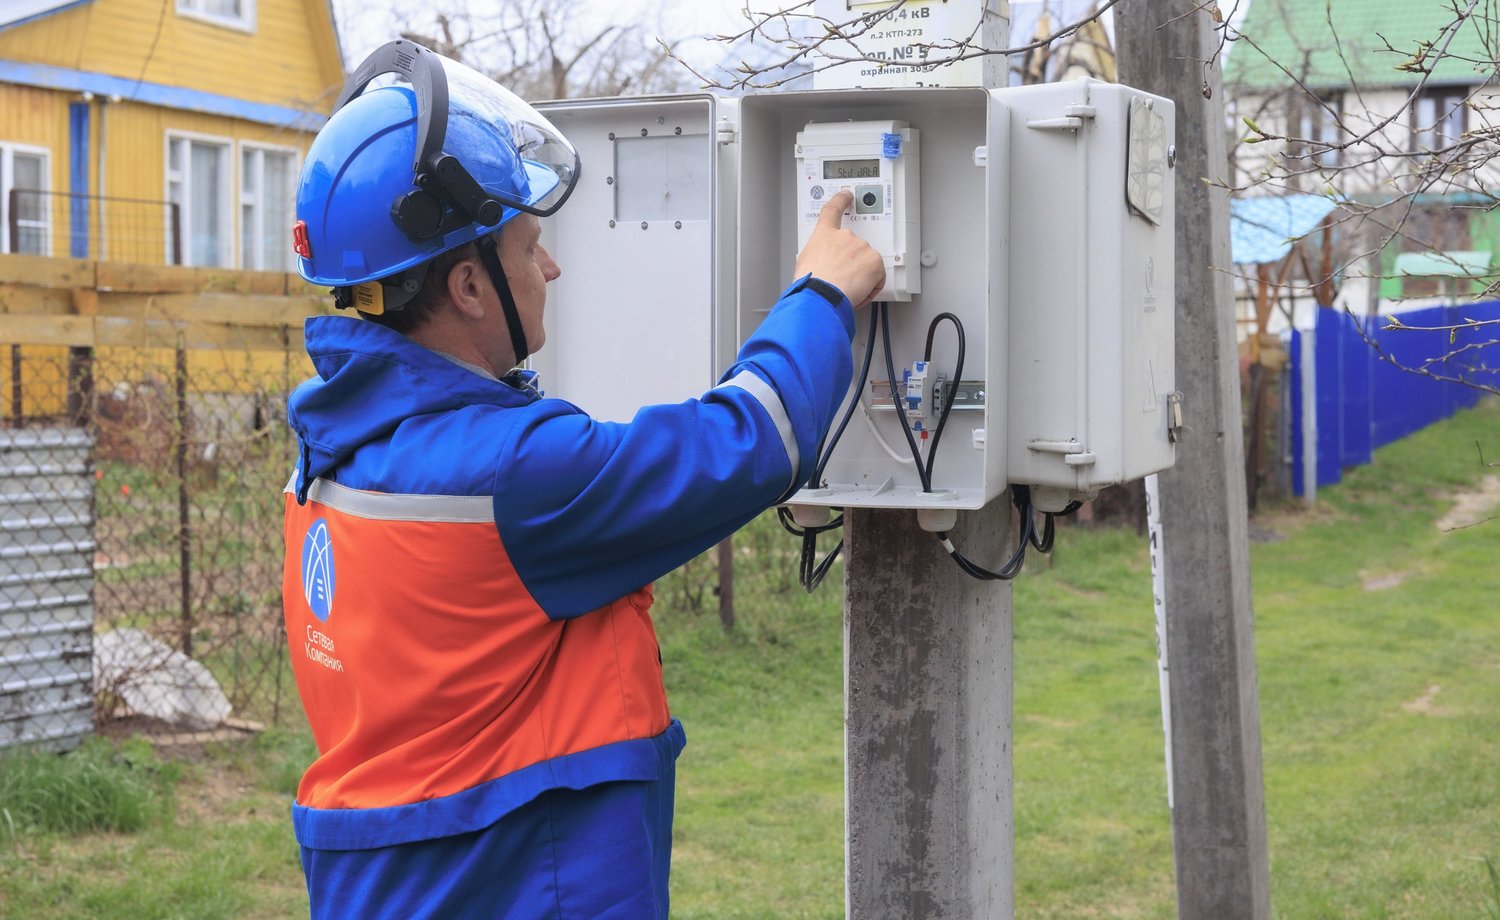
[(228, 256), (1435, 112), (8, 153), (195, 9), (252, 200), (1319, 119)]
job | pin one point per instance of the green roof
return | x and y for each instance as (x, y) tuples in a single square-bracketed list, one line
[(1298, 35)]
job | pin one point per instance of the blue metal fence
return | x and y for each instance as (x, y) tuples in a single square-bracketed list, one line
[(1363, 401)]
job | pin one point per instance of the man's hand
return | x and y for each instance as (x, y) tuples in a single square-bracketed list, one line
[(839, 257)]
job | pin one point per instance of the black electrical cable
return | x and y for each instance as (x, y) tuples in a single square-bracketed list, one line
[(790, 525), (1043, 543), (958, 376), (811, 572), (1021, 497), (924, 470), (884, 315), (1028, 535), (825, 454), (1049, 526)]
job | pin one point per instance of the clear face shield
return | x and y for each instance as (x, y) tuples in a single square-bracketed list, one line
[(480, 149), (548, 164)]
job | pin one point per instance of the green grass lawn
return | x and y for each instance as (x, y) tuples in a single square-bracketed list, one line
[(1378, 650)]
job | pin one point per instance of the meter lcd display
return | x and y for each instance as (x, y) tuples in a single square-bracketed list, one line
[(851, 169)]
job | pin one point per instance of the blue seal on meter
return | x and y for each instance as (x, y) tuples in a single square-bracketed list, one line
[(891, 146)]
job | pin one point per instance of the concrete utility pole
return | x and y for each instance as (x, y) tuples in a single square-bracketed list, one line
[(927, 792), (930, 828), (1219, 814)]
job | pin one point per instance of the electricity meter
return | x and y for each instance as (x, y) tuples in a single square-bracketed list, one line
[(878, 161)]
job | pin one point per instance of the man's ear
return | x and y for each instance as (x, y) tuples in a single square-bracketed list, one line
[(465, 287)]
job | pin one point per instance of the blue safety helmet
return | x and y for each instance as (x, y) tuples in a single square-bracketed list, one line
[(404, 172)]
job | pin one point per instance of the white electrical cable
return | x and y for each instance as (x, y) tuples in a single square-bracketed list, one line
[(879, 439)]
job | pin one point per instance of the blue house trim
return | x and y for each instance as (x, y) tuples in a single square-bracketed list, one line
[(78, 179), (47, 76)]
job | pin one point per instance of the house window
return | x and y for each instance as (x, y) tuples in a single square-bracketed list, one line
[(1439, 118), (198, 183), (239, 14), (267, 195), (1316, 124), (25, 202)]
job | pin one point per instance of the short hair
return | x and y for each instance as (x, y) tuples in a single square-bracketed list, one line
[(434, 291)]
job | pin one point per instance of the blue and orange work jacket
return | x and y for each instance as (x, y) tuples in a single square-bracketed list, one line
[(468, 569)]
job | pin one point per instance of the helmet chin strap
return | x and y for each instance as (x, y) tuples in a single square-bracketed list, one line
[(491, 259)]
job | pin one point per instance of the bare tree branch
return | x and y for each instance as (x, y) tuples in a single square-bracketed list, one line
[(535, 48), (818, 41)]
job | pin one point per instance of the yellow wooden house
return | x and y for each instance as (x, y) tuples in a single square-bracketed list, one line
[(160, 131), (141, 134)]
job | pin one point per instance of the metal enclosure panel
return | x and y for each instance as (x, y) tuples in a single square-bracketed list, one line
[(1092, 363), (46, 587), (632, 320), (963, 234)]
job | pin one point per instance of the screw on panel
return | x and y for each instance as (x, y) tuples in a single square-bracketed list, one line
[(611, 224), (676, 130), (643, 132), (644, 225), (609, 180), (611, 135), (661, 119), (678, 225)]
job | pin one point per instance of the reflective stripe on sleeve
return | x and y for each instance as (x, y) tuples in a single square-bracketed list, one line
[(771, 402), (381, 506)]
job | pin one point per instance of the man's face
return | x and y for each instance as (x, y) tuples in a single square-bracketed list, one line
[(528, 267)]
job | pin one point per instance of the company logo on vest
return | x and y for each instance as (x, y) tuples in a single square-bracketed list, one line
[(317, 570)]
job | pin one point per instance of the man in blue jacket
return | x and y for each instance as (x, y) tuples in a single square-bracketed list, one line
[(468, 572)]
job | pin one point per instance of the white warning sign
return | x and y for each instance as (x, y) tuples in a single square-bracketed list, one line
[(903, 45)]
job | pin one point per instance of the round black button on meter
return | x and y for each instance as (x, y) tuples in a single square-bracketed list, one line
[(869, 199)]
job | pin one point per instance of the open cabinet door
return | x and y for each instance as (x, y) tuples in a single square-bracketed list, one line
[(646, 247)]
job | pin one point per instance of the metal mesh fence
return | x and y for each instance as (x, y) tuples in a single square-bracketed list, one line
[(39, 222), (148, 483)]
